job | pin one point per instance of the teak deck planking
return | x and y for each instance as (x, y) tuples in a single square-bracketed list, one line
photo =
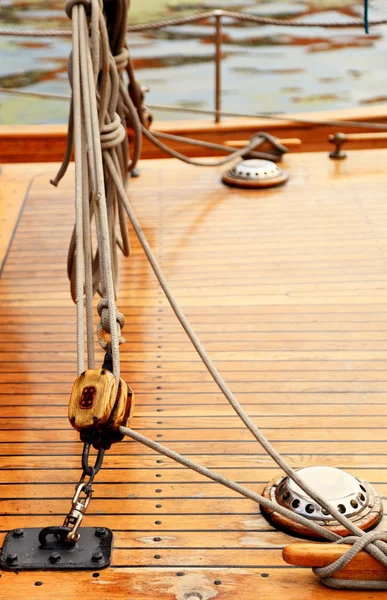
[(287, 288), (15, 183)]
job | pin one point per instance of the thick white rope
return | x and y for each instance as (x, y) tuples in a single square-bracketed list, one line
[(95, 106), (79, 179), (95, 127)]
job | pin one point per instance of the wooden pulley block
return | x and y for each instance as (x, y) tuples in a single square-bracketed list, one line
[(363, 566), (92, 399), (94, 404), (120, 415)]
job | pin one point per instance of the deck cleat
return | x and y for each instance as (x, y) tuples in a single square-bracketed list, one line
[(255, 173), (352, 496)]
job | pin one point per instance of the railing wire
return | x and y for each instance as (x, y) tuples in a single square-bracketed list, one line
[(353, 23)]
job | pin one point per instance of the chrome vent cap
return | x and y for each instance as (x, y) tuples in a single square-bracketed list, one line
[(345, 492), (255, 173), (352, 496)]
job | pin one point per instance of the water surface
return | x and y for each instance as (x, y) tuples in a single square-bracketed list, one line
[(264, 69)]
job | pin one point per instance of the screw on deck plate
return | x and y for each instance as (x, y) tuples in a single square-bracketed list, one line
[(18, 533), (55, 557), (12, 558), (100, 532), (28, 553), (97, 556)]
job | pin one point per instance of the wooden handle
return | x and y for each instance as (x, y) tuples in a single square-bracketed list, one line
[(309, 554), (289, 142)]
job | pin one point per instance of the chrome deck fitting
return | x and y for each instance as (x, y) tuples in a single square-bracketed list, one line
[(255, 173), (350, 495)]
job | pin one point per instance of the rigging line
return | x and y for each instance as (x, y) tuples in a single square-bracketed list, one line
[(272, 116), (378, 547), (201, 16), (202, 111), (232, 485), (111, 168), (253, 19), (43, 95), (79, 167), (249, 149), (113, 172), (87, 127), (235, 152), (217, 377), (325, 573)]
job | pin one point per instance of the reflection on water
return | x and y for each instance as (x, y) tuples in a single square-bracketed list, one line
[(264, 68)]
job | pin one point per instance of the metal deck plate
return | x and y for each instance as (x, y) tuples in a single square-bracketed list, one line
[(23, 552)]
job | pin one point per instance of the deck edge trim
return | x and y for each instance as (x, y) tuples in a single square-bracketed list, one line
[(15, 228)]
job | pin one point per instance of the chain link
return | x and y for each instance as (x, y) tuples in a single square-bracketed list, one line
[(83, 493)]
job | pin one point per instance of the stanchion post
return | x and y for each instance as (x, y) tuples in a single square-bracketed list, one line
[(218, 63)]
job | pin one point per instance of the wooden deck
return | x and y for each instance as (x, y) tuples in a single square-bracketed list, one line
[(287, 289)]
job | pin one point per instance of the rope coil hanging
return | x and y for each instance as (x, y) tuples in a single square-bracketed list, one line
[(97, 127), (100, 109)]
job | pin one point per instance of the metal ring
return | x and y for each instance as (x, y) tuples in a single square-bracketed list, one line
[(59, 532), (87, 470)]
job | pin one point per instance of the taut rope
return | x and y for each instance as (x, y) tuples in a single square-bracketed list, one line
[(223, 113), (354, 23), (99, 110)]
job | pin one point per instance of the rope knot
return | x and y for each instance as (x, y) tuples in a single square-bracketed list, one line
[(112, 134), (358, 543), (122, 59), (104, 323), (71, 3)]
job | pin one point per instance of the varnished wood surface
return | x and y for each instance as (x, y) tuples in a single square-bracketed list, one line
[(15, 183), (46, 143), (362, 566), (287, 288), (92, 398)]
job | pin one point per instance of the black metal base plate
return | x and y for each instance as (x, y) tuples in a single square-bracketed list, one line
[(23, 552)]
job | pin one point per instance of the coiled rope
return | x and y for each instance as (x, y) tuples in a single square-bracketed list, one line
[(99, 109)]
